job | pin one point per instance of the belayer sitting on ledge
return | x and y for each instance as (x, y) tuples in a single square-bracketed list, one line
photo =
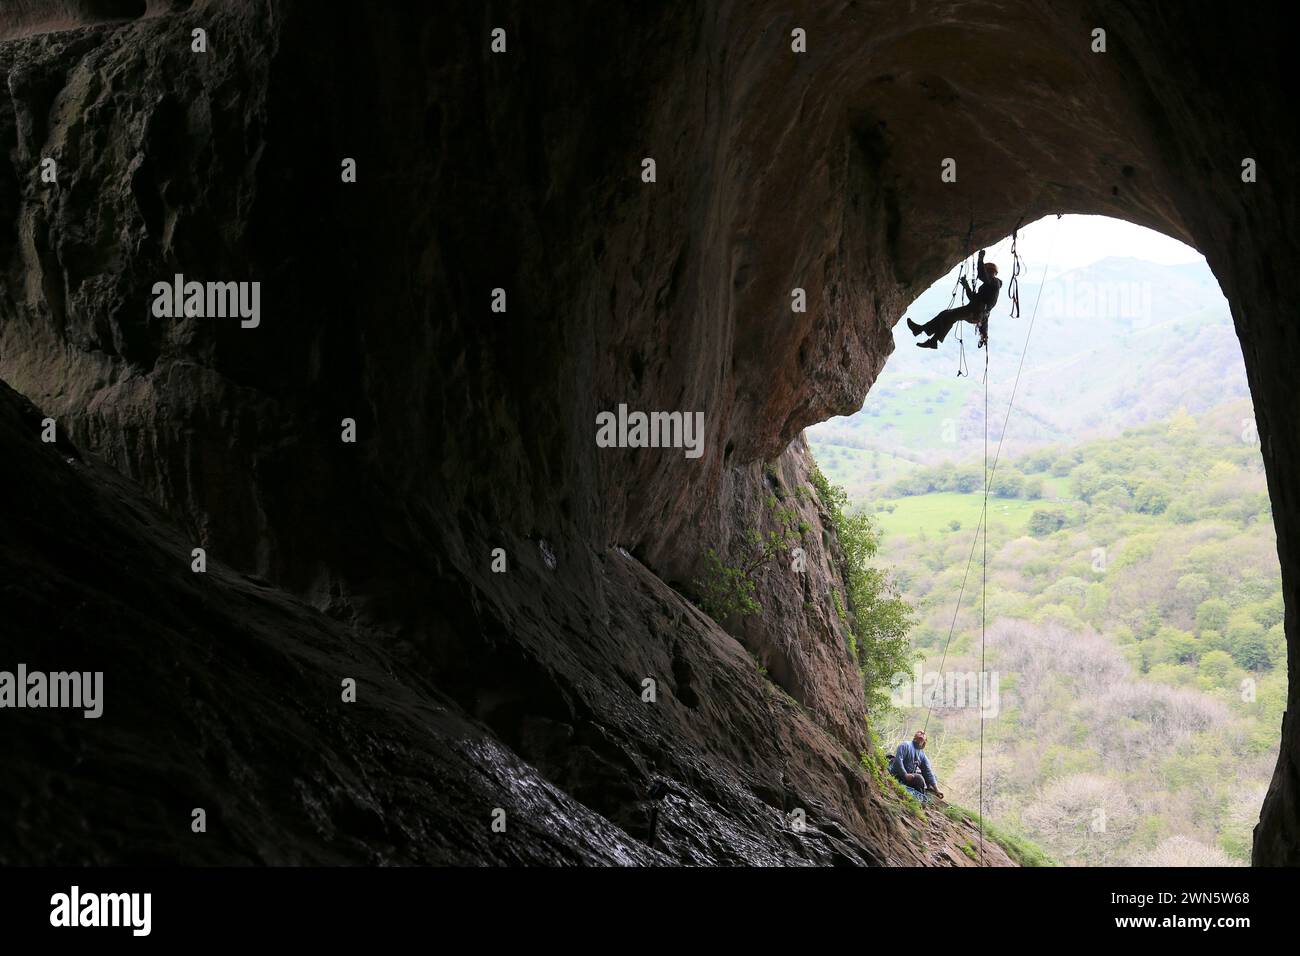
[(911, 767), (976, 311)]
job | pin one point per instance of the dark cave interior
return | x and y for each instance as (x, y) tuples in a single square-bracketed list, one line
[(521, 171)]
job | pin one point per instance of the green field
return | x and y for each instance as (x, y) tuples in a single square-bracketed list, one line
[(934, 514), (910, 412), (1057, 488), (857, 468), (917, 411)]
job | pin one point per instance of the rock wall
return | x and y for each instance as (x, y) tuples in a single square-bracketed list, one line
[(522, 172)]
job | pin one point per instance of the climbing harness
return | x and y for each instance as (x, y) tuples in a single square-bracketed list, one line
[(982, 526)]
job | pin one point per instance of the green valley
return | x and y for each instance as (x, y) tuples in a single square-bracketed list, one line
[(1134, 606)]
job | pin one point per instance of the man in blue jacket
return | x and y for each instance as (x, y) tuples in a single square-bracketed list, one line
[(912, 767)]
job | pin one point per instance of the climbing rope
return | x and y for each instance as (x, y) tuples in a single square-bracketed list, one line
[(963, 369), (983, 523), (984, 592), (1013, 287)]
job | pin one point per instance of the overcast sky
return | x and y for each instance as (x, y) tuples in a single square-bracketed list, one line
[(1077, 241)]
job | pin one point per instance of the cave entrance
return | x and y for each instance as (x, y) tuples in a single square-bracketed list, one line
[(1134, 595)]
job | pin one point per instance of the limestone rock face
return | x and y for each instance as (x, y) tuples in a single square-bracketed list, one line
[(522, 171)]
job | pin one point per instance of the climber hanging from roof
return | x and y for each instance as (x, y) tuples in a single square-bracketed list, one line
[(976, 311)]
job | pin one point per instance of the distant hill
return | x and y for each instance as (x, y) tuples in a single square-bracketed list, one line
[(1116, 344)]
